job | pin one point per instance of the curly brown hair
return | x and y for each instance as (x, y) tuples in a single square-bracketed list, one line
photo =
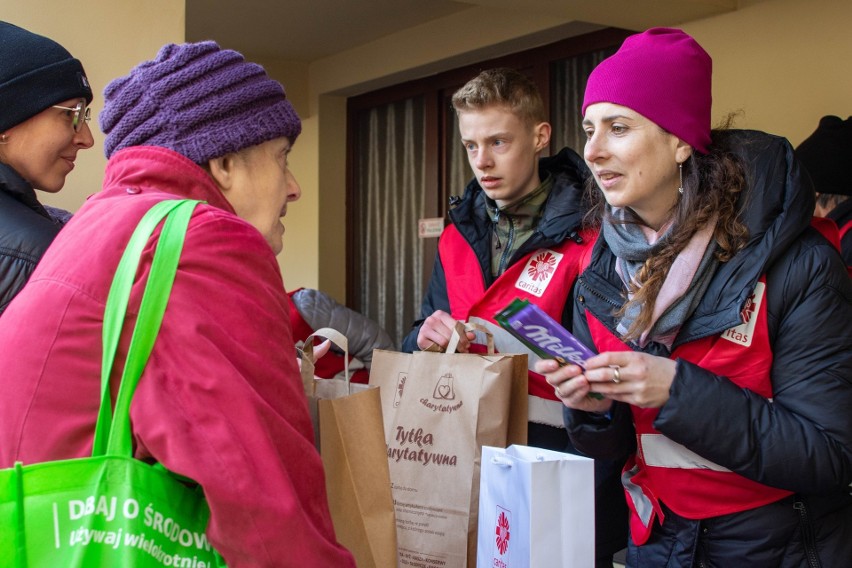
[(712, 184)]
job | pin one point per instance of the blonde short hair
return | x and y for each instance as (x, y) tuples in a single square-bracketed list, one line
[(504, 87)]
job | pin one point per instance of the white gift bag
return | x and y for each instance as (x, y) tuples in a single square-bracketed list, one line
[(536, 509)]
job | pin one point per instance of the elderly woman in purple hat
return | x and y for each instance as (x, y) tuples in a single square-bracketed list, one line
[(220, 400), (720, 318)]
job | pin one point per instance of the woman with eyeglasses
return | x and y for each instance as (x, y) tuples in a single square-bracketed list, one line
[(44, 97), (721, 322)]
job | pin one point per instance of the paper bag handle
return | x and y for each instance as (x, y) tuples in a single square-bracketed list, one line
[(462, 328), (308, 354)]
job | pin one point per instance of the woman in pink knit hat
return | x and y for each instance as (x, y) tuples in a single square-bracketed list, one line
[(720, 321)]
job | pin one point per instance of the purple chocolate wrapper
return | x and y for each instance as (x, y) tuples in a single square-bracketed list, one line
[(539, 330)]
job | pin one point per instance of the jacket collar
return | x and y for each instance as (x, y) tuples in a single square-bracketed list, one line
[(158, 168), (562, 213), (776, 206), (13, 184)]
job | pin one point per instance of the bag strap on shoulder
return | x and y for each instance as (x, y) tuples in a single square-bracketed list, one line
[(112, 432)]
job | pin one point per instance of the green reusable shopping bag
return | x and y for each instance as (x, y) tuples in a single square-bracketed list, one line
[(111, 509)]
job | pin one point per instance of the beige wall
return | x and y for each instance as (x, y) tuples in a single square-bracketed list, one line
[(110, 37), (781, 62), (299, 260)]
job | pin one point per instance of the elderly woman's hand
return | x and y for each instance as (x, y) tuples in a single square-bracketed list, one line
[(319, 351)]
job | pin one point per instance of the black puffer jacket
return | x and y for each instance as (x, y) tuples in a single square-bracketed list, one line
[(560, 220), (26, 230), (801, 440)]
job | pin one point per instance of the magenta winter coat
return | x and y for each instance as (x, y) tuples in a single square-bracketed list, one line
[(220, 401)]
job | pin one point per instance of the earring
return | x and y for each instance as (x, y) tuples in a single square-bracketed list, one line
[(680, 172), (3, 139)]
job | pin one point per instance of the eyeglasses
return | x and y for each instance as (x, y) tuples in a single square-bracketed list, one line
[(82, 114)]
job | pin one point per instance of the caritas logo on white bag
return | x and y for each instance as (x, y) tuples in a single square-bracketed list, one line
[(502, 534)]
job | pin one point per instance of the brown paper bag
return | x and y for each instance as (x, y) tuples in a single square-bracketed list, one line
[(439, 410), (350, 436)]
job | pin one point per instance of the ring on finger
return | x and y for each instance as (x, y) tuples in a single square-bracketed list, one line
[(616, 375)]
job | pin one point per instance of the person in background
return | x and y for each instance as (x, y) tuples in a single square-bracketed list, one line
[(516, 233), (44, 115), (721, 322), (314, 309), (220, 400), (825, 155)]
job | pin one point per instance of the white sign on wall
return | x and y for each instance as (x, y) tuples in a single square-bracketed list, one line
[(430, 228)]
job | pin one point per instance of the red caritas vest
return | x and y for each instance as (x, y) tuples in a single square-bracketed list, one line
[(544, 276), (663, 470)]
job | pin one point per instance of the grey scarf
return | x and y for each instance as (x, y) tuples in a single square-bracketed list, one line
[(685, 284)]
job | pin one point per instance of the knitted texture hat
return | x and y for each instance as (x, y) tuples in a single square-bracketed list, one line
[(199, 100), (664, 75), (35, 73), (826, 153)]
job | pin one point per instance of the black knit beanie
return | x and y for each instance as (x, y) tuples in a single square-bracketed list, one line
[(826, 153), (35, 73)]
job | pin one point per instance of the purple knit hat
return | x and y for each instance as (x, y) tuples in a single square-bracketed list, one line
[(199, 100), (664, 75)]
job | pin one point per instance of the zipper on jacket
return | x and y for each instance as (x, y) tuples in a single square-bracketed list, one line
[(808, 539), (597, 294), (699, 531), (504, 257)]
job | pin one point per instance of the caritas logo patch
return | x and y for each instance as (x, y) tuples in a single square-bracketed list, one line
[(502, 534), (743, 333), (538, 272)]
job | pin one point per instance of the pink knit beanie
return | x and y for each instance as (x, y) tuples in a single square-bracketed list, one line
[(664, 75)]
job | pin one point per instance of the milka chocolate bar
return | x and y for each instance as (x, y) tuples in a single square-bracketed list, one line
[(544, 336)]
